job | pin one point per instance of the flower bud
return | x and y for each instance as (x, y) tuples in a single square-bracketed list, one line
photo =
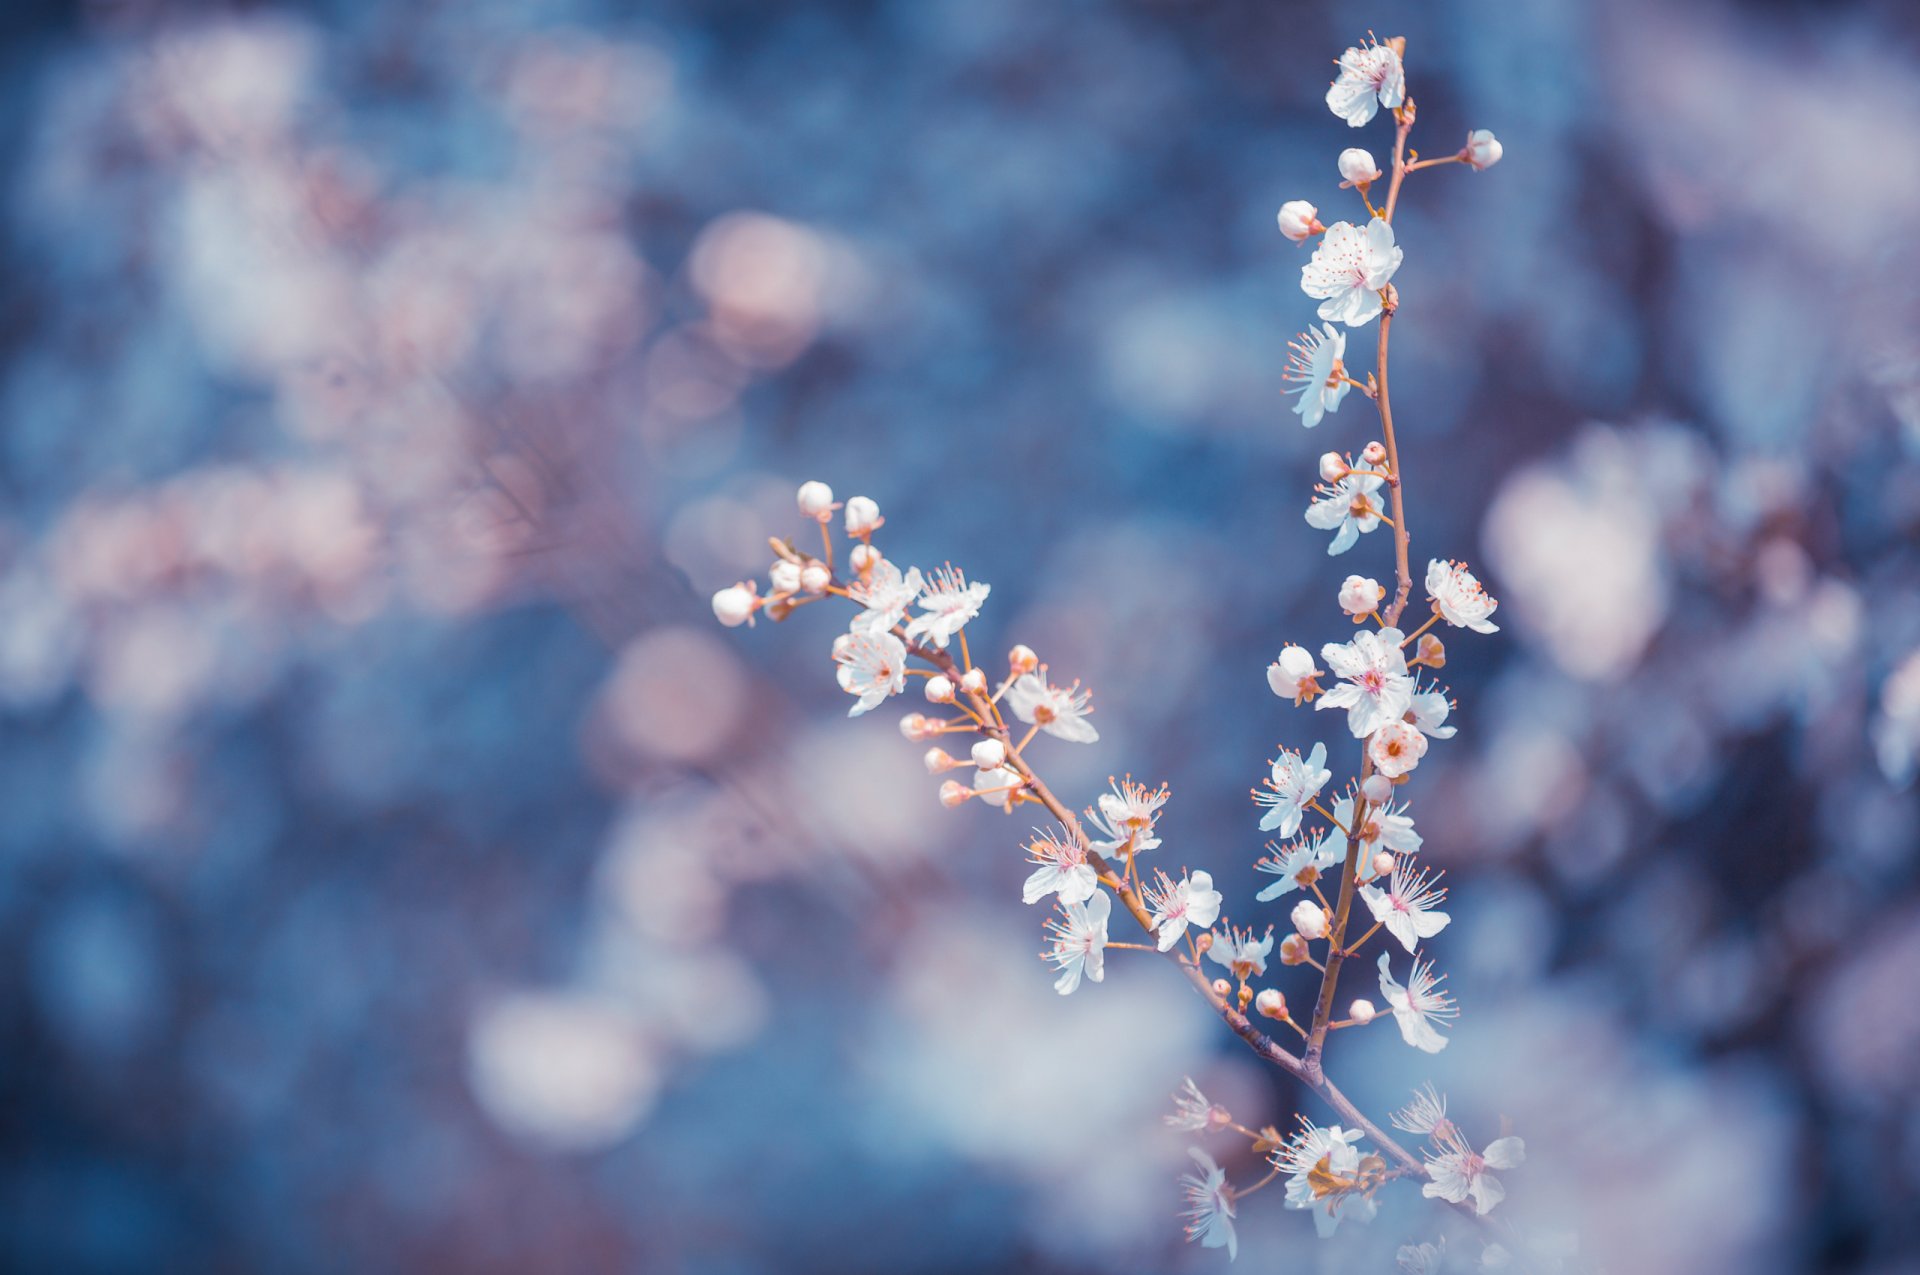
[(1376, 789), (864, 558), (1431, 652), (937, 760), (1361, 1011), (863, 517), (814, 577), (1357, 167), (1021, 659), (1483, 149), (1291, 676), (974, 682), (953, 793), (1204, 943), (785, 577), (989, 754), (1298, 219), (1270, 1003), (913, 726), (816, 500), (1221, 987), (1333, 467), (1360, 595), (994, 785), (1383, 864), (1293, 950), (939, 690), (1309, 921), (1374, 453), (734, 606)]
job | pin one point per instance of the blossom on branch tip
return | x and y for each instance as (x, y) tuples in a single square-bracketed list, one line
[(948, 602), (1426, 1113), (1291, 788), (1292, 675), (1459, 598), (1348, 270), (1418, 1005), (1360, 596), (1299, 866), (1128, 813), (1059, 711), (1405, 907), (1191, 901), (1347, 508), (816, 501), (872, 666), (863, 517), (1299, 220), (883, 595), (1315, 362), (1063, 870), (1396, 749), (1483, 149), (1459, 1173), (1192, 1113), (1323, 1168), (735, 606), (1209, 1213), (1371, 76), (1241, 953), (1077, 942), (1377, 688)]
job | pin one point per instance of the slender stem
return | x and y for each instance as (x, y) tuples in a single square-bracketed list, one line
[(1242, 1192)]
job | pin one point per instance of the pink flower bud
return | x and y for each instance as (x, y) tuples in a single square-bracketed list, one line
[(1021, 659), (1270, 1003), (734, 606), (937, 760), (989, 754), (814, 578), (1360, 595), (816, 500), (1298, 219), (1221, 987), (1376, 789), (1293, 950), (1375, 454), (974, 682), (953, 793), (1357, 167), (1483, 149), (939, 690), (864, 558), (1333, 467), (1309, 920), (863, 517), (1361, 1011)]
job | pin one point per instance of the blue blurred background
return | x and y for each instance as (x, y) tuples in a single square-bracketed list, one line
[(400, 870)]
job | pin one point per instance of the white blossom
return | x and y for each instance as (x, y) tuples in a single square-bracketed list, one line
[(1459, 1173), (1059, 711), (1377, 689), (1370, 77), (1299, 866), (1458, 597), (1292, 675), (1483, 149), (815, 500), (1309, 920), (1334, 1153), (1360, 596), (1348, 270), (1424, 1114), (1429, 711), (1396, 748), (784, 577), (873, 665), (1299, 219), (863, 517), (1388, 826), (1063, 870), (1357, 167), (1291, 788), (1128, 813), (884, 595), (1422, 1259), (1192, 901), (1192, 1113), (995, 784), (1419, 1005), (1077, 941), (948, 602), (735, 605), (1347, 508), (1241, 953), (1314, 362), (1209, 1212), (1405, 907)]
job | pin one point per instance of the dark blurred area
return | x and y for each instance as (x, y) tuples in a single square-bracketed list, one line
[(400, 870)]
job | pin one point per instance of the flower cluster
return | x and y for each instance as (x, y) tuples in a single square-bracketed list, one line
[(1348, 849)]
